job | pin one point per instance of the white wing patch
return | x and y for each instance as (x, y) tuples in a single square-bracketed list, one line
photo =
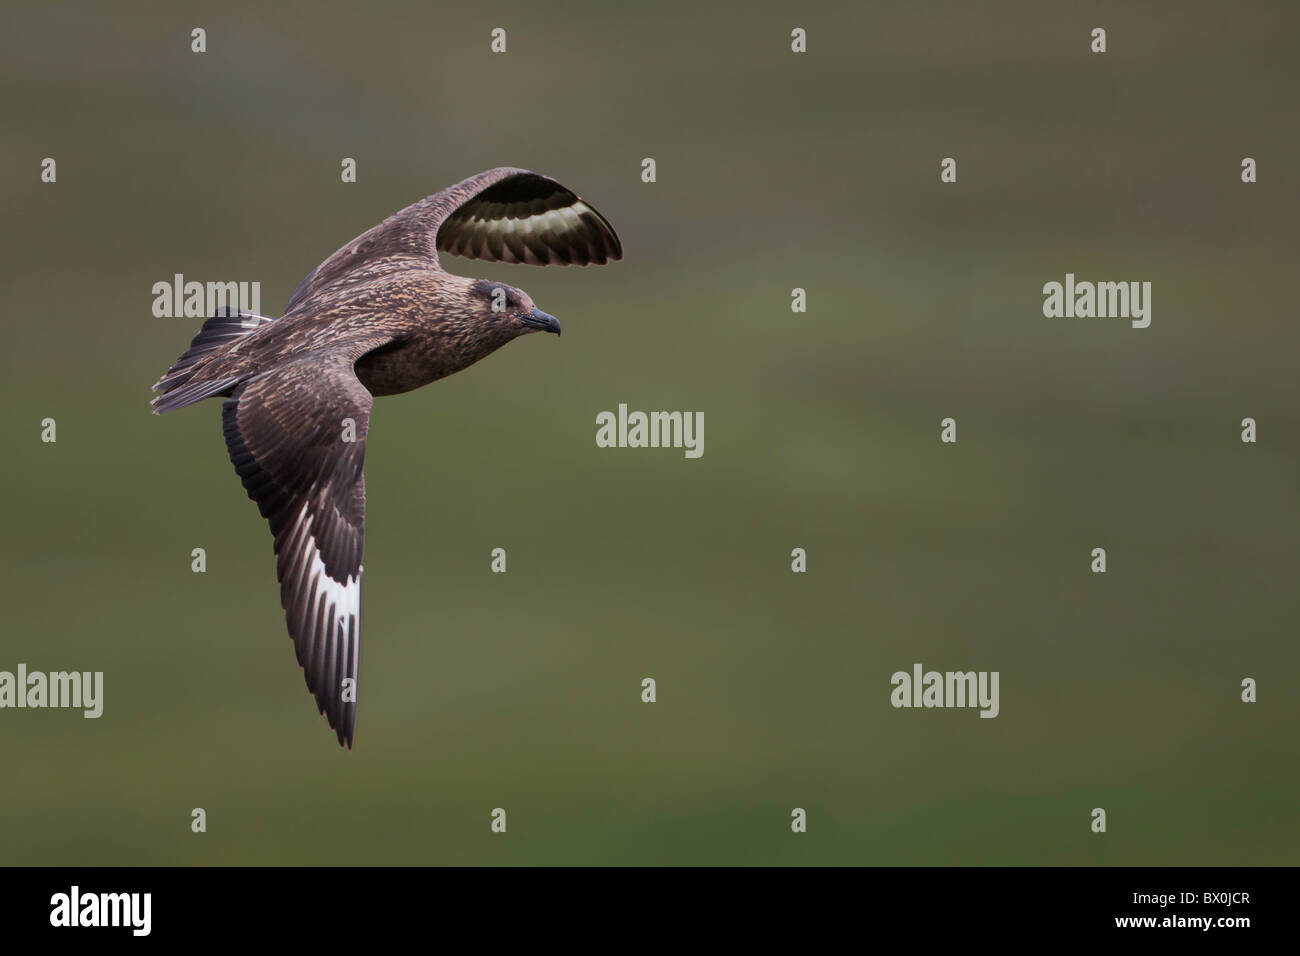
[(510, 232), (336, 606)]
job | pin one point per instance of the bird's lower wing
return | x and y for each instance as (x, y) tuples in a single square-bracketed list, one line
[(297, 437)]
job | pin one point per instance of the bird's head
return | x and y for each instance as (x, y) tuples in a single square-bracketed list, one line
[(503, 307)]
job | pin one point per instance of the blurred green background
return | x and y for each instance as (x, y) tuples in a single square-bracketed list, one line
[(775, 170)]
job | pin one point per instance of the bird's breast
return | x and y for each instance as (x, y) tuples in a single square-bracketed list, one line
[(418, 360)]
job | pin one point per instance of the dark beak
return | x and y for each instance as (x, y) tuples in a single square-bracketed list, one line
[(537, 319)]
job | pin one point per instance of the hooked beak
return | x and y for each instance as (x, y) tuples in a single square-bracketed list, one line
[(537, 319)]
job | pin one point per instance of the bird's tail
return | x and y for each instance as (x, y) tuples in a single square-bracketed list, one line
[(177, 388)]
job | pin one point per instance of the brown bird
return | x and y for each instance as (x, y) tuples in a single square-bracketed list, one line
[(378, 317)]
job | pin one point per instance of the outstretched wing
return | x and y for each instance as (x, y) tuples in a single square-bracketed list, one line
[(502, 215), (297, 438), (524, 217)]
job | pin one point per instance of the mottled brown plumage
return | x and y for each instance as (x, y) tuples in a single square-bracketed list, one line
[(378, 317)]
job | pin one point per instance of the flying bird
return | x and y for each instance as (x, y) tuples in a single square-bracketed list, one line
[(378, 317)]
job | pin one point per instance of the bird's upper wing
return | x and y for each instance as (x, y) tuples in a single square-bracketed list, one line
[(297, 437), (502, 215), (512, 215)]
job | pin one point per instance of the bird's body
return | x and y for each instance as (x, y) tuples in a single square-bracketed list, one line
[(378, 317), (415, 312)]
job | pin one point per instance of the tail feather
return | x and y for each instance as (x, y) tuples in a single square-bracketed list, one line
[(175, 388)]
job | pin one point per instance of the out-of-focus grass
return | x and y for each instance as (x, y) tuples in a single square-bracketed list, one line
[(522, 690)]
